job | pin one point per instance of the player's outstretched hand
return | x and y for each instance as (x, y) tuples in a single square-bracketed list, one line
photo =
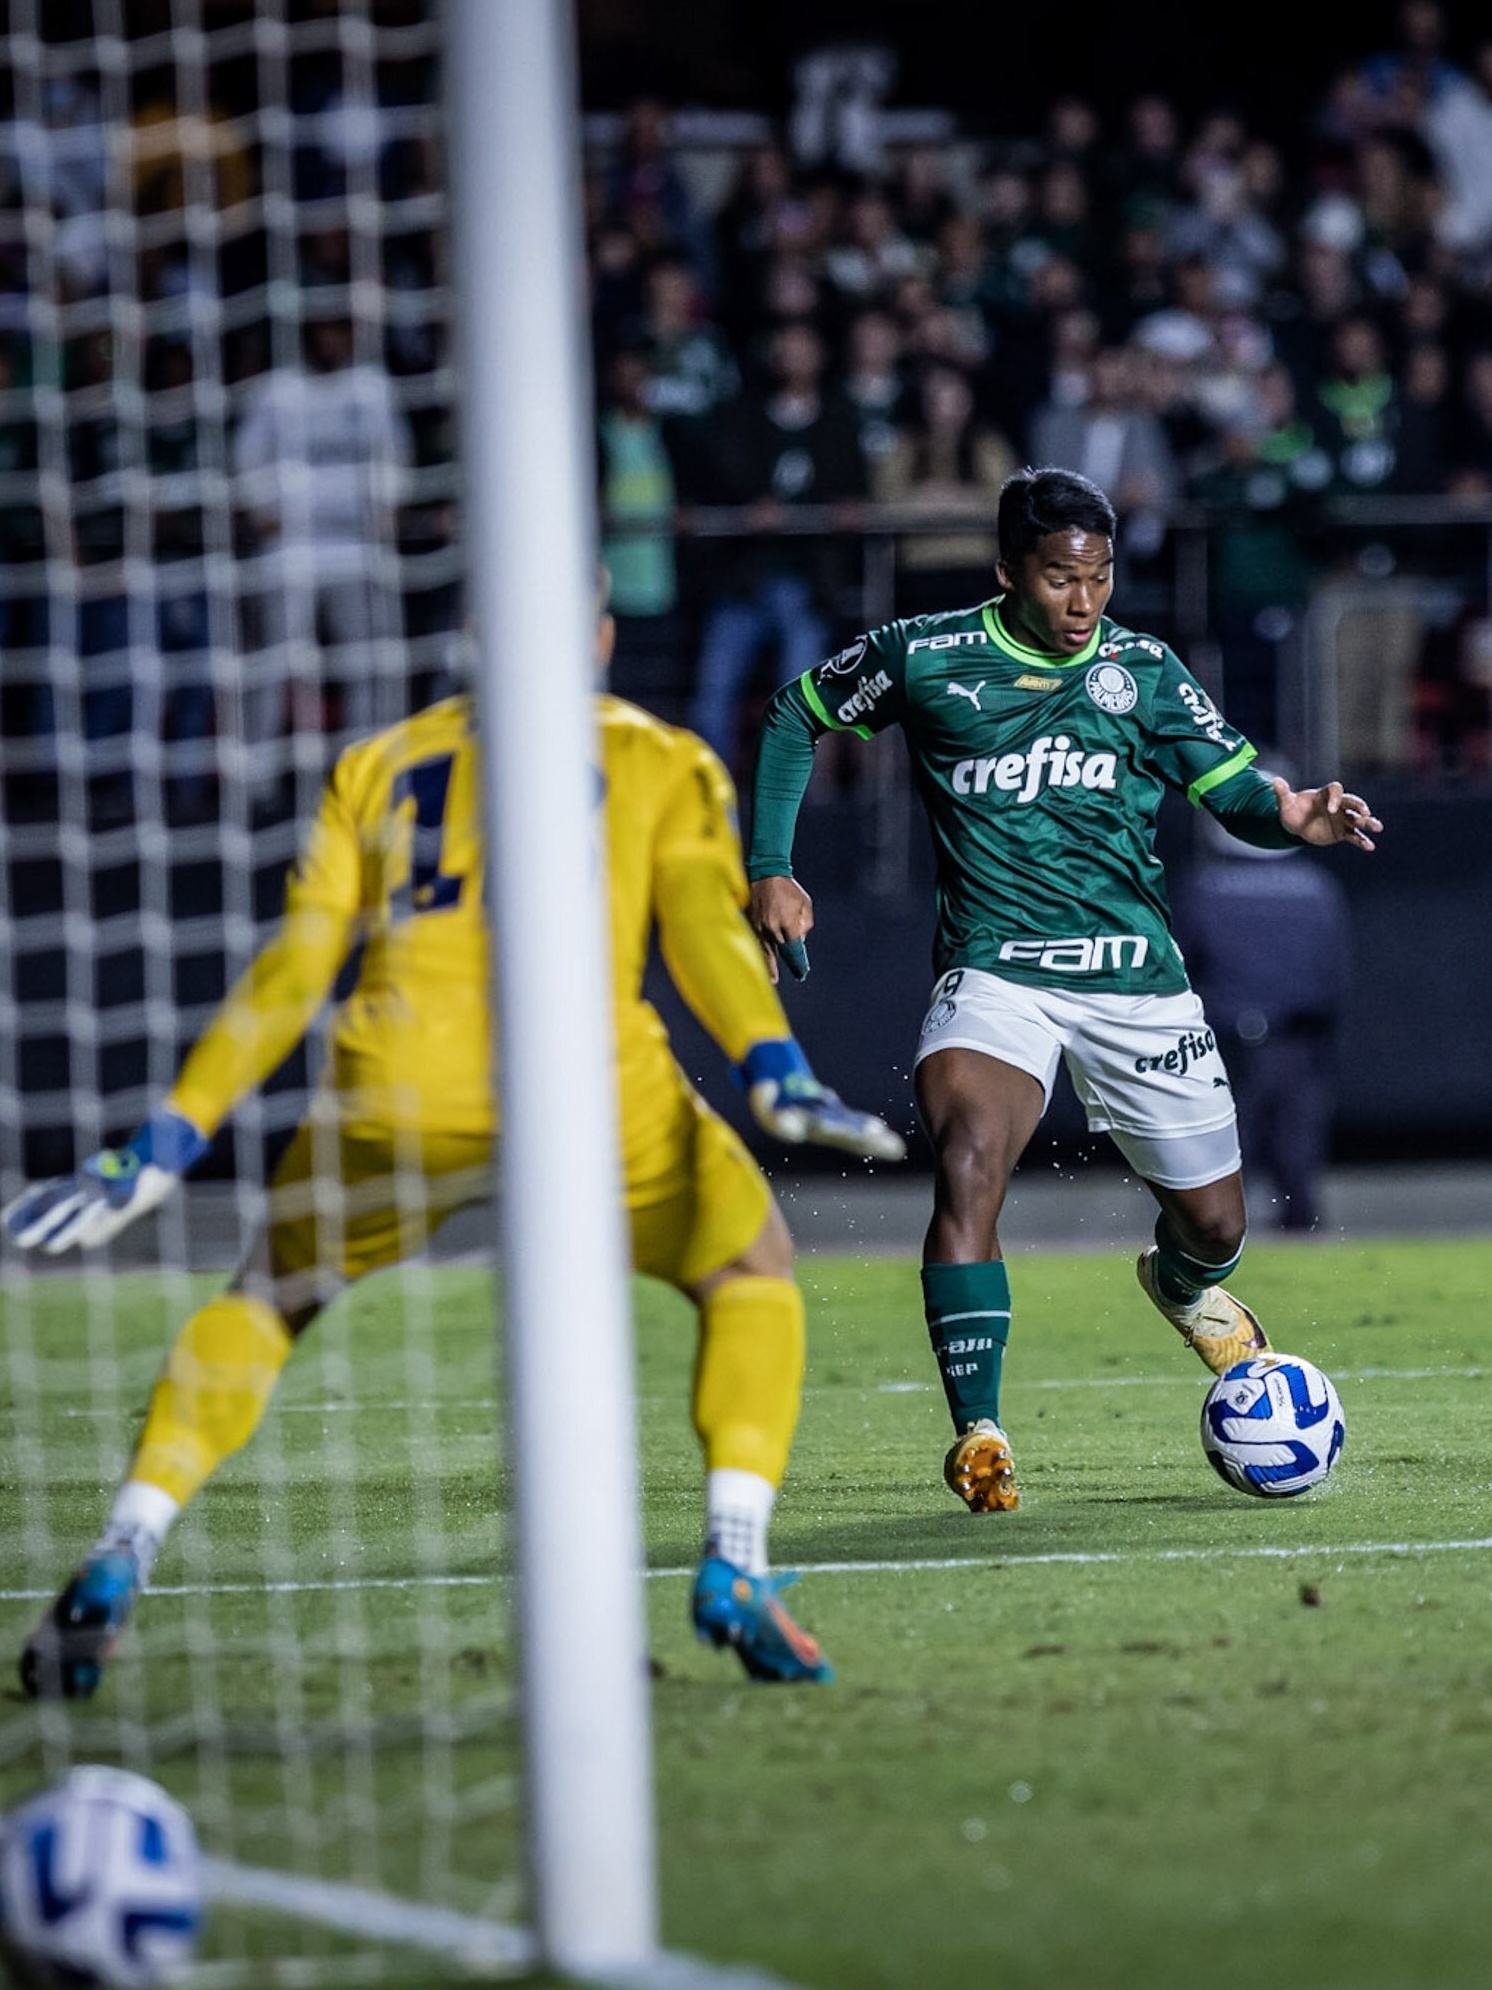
[(788, 1102), (1326, 815), (111, 1190)]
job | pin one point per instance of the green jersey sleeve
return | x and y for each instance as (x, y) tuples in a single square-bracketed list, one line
[(864, 688), (861, 690), (1191, 745)]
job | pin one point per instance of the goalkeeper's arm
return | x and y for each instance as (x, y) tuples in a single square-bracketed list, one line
[(720, 971), (260, 1022)]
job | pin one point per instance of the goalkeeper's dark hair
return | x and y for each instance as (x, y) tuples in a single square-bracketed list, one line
[(1036, 502)]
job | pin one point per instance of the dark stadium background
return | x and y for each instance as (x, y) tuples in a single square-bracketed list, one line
[(1416, 1064), (997, 67)]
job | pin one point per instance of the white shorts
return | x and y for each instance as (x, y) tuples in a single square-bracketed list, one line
[(1146, 1068)]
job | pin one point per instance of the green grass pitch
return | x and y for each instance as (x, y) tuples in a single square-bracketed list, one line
[(1146, 1731)]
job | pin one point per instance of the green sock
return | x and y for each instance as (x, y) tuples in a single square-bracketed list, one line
[(968, 1321), (1182, 1277)]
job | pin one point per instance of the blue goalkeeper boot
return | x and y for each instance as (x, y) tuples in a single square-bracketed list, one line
[(65, 1656), (743, 1611)]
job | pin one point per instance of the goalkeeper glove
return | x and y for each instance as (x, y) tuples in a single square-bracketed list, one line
[(788, 1101), (109, 1191)]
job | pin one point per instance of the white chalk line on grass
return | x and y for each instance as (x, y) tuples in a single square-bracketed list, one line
[(385, 1405), (492, 1946), (913, 1565)]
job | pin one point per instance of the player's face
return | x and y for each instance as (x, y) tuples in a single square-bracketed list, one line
[(1055, 595)]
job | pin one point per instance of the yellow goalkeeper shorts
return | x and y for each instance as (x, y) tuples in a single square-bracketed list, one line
[(349, 1198)]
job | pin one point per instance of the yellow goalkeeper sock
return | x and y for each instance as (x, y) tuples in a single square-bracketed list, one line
[(211, 1393), (748, 1375)]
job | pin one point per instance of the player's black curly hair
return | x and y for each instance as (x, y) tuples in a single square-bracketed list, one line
[(1034, 502)]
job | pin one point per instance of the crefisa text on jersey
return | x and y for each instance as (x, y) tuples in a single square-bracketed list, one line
[(1056, 762)]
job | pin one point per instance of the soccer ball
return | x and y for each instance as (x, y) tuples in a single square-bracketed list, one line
[(100, 1883), (1273, 1425)]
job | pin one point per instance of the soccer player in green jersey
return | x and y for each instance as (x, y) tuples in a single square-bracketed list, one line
[(1043, 736)]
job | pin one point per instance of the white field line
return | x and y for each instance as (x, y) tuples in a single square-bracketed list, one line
[(477, 1944), (489, 1404), (1058, 1558)]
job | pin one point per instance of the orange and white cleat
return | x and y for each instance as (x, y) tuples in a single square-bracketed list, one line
[(1217, 1327), (981, 1470)]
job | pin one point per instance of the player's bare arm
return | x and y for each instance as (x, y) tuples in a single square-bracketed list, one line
[(1327, 815), (780, 910)]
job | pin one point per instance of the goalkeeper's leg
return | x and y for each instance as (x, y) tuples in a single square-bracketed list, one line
[(222, 1369), (712, 1229), (206, 1404)]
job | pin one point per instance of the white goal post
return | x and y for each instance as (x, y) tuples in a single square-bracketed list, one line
[(514, 192)]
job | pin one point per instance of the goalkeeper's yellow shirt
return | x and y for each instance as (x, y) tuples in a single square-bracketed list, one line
[(393, 866)]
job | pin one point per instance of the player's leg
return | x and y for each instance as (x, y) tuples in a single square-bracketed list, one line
[(983, 1076), (703, 1218), (1148, 1072)]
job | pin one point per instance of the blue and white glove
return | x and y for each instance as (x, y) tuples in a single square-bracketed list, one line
[(109, 1191), (789, 1102)]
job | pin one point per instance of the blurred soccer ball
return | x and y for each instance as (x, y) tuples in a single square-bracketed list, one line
[(100, 1883), (1273, 1426)]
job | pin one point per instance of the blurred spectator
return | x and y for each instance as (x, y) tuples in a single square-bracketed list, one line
[(1143, 168), (1471, 464), (961, 284), (875, 380), (872, 253), (1305, 313), (1395, 86), (1397, 194), (793, 291), (1262, 487), (1076, 335), (1119, 445), (919, 187), (1072, 133), (638, 494), (776, 592), (320, 454), (1227, 224), (1268, 946), (1458, 129), (647, 194), (1005, 205), (691, 368), (1354, 405), (760, 214), (1425, 442), (1064, 222), (1018, 381), (1139, 282), (947, 465)]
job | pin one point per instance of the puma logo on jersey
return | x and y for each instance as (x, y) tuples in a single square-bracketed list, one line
[(962, 691), (1053, 763)]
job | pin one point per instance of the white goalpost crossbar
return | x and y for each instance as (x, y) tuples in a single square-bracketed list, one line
[(525, 400)]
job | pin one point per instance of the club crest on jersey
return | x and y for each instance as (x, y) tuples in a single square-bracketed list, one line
[(1111, 687), (847, 661)]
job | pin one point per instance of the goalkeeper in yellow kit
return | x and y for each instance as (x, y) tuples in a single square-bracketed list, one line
[(404, 1123)]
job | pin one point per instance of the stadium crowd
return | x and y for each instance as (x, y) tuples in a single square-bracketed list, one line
[(1209, 315), (221, 271)]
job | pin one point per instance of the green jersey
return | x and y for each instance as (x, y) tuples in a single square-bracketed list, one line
[(1042, 778)]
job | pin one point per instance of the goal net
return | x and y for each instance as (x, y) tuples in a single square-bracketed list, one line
[(227, 544)]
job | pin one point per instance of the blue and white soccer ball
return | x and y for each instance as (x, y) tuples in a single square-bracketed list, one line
[(100, 1883), (1273, 1425)]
